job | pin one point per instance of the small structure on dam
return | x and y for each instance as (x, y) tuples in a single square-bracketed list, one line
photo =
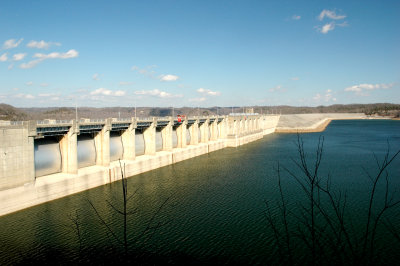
[(66, 157)]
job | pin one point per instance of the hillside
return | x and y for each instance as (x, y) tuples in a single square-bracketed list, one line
[(8, 112)]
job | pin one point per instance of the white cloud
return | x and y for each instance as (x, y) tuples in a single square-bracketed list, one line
[(44, 84), (119, 93), (49, 96), (296, 17), (201, 99), (45, 94), (106, 92), (30, 64), (95, 76), (295, 78), (327, 27), (70, 54), (147, 71), (317, 97), (12, 43), (327, 97), (330, 14), (29, 83), (157, 93), (41, 57), (208, 92), (3, 57), (168, 77), (124, 83), (277, 88), (24, 96), (18, 57), (343, 24), (359, 89), (41, 44)]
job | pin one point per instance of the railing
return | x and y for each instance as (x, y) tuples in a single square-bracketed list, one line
[(243, 114), (97, 120), (121, 119), (190, 120)]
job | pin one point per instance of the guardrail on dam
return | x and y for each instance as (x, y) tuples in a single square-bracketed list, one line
[(45, 160)]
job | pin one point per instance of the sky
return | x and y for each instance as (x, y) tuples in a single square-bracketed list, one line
[(199, 53)]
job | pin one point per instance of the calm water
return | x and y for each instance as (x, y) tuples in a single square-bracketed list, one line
[(216, 202)]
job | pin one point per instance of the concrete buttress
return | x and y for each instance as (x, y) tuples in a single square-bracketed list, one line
[(166, 133), (149, 135), (102, 143), (194, 133), (128, 141), (69, 152)]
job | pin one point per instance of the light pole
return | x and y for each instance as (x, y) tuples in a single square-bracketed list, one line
[(135, 108), (76, 111)]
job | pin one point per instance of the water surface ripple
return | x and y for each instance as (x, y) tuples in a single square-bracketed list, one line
[(216, 202)]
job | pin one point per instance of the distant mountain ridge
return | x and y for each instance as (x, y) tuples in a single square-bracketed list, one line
[(8, 112)]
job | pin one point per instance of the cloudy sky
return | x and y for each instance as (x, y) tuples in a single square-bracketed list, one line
[(199, 53)]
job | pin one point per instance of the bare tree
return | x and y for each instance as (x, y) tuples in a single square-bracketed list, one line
[(323, 227), (125, 211)]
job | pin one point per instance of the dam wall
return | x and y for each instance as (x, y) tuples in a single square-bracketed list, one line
[(48, 160)]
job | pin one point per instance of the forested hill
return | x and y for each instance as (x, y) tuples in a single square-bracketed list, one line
[(8, 112)]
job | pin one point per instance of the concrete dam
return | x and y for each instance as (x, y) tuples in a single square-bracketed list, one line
[(45, 160)]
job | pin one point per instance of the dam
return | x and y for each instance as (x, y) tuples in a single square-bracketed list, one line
[(46, 160)]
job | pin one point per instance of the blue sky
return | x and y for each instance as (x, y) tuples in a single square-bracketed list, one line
[(199, 53)]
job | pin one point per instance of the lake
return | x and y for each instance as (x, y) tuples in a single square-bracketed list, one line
[(212, 208)]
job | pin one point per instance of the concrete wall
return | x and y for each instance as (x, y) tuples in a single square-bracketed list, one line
[(17, 155)]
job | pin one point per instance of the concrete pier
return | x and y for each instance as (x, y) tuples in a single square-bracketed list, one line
[(128, 141), (102, 143), (68, 147)]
